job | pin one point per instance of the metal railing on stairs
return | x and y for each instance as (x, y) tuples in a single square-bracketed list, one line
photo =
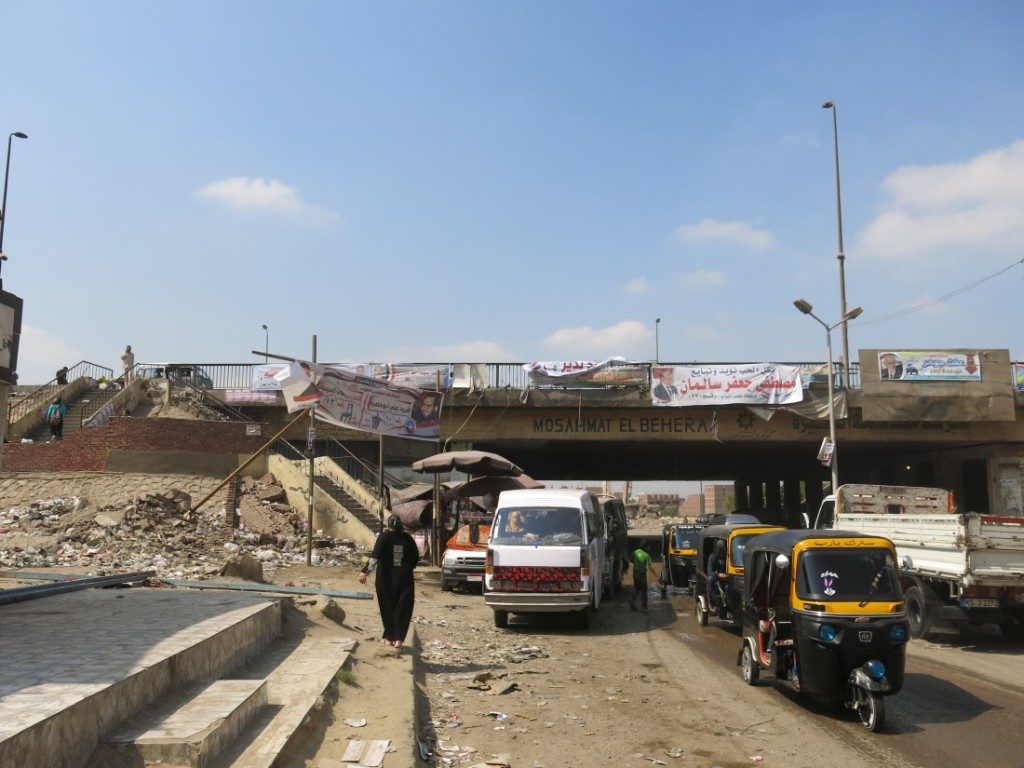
[(210, 403), (44, 395)]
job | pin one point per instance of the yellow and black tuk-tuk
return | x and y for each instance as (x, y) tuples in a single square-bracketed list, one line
[(678, 556), (721, 595), (824, 611)]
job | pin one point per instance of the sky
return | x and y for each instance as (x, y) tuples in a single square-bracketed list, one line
[(466, 181)]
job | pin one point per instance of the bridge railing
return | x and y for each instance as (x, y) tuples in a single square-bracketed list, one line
[(499, 375)]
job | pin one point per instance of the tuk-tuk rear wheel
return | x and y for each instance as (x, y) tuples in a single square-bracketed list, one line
[(748, 666), (700, 612)]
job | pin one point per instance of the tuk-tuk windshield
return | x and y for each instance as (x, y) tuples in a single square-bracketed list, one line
[(538, 525), (852, 574), (684, 538), (738, 547)]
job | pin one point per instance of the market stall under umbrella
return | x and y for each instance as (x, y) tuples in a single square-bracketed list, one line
[(480, 463)]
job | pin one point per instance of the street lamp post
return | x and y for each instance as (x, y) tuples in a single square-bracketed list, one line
[(657, 350), (266, 343), (842, 255), (805, 307), (3, 205)]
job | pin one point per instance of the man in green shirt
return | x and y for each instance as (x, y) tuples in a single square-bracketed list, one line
[(641, 565)]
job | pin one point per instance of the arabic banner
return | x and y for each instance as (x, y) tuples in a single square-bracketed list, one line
[(420, 376), (362, 402), (743, 384), (563, 374), (265, 376), (931, 365), (1018, 377)]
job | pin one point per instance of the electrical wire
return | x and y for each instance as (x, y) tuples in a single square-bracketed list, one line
[(933, 302)]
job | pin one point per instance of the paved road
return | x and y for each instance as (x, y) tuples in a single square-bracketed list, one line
[(962, 703)]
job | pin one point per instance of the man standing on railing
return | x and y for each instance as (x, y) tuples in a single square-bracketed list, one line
[(128, 361)]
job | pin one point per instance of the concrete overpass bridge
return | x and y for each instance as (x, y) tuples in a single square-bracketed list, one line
[(964, 435)]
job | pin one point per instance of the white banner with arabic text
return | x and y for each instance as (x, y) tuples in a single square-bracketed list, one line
[(362, 402), (743, 384)]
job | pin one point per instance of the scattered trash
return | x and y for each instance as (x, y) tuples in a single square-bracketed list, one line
[(355, 722), (758, 759), (674, 752)]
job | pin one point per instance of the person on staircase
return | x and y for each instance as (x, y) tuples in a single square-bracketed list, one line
[(55, 418)]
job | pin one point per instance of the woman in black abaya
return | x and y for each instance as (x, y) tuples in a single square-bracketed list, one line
[(394, 557)]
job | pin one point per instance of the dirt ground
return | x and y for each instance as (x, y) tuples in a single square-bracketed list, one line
[(628, 691)]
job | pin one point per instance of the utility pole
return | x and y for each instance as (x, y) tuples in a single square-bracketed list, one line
[(311, 445)]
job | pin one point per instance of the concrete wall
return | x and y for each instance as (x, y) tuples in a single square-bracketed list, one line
[(328, 515), (144, 445)]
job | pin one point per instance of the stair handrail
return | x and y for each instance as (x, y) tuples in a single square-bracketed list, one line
[(389, 479), (205, 395), (45, 393)]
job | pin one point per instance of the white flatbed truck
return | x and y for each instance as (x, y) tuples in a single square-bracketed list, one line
[(956, 567)]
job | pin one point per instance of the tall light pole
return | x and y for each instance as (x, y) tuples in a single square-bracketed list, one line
[(842, 255), (657, 351), (266, 343), (3, 206), (806, 308)]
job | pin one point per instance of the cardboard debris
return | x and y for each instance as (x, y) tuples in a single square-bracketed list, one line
[(365, 753)]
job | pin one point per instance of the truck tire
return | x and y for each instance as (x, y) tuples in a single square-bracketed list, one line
[(501, 619), (919, 616), (1012, 629)]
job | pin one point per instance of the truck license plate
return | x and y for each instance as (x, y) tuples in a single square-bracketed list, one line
[(474, 577), (979, 602)]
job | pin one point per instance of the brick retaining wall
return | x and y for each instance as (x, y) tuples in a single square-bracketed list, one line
[(88, 449)]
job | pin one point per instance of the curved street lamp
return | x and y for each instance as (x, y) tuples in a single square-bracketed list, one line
[(3, 205), (805, 307), (266, 343)]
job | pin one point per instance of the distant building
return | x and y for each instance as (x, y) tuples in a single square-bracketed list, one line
[(658, 500), (715, 500)]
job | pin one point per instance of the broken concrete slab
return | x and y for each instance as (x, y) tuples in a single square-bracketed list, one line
[(243, 566), (333, 611)]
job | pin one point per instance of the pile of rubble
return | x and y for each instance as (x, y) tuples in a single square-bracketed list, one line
[(155, 531)]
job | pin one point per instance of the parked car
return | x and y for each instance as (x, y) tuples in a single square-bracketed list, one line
[(465, 554), (178, 373)]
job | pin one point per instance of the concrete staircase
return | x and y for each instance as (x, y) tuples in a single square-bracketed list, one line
[(80, 408), (160, 677), (368, 517)]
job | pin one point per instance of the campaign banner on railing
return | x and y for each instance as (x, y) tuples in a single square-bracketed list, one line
[(928, 365), (362, 402), (403, 374), (420, 376), (265, 376), (565, 373), (1018, 377), (743, 384)]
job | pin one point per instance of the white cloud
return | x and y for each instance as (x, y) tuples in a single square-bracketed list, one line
[(243, 193), (737, 232), (971, 205), (637, 285), (625, 338), (40, 354), (702, 278)]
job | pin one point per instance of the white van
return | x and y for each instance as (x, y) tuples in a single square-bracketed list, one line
[(546, 554)]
